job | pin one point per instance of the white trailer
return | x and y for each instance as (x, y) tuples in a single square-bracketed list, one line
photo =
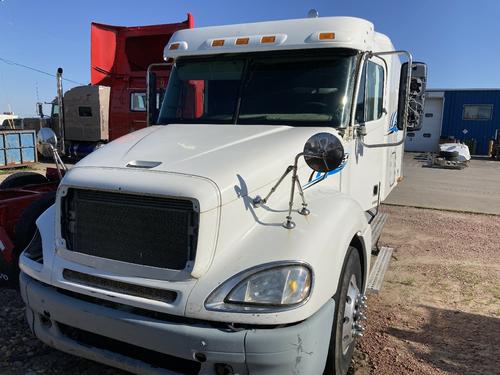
[(233, 237)]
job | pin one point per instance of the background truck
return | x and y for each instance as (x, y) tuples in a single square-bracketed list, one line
[(111, 106), (114, 103), (235, 235)]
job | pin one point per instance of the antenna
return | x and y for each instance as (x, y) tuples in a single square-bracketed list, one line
[(36, 91)]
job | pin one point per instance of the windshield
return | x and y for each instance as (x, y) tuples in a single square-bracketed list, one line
[(298, 88)]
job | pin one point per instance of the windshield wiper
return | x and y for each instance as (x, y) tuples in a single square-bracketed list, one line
[(246, 75)]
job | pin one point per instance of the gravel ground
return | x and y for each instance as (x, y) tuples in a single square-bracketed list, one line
[(438, 311), (22, 353)]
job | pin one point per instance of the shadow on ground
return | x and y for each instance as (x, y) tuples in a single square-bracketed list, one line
[(420, 157), (455, 341)]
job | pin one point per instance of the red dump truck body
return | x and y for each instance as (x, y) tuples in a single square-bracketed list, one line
[(120, 57)]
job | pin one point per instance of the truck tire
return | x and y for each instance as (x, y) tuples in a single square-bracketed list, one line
[(21, 179), (340, 352), (26, 225)]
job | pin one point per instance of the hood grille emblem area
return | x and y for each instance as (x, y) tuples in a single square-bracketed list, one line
[(143, 164)]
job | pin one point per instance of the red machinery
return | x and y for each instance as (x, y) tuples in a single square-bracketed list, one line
[(120, 57), (114, 104), (23, 197)]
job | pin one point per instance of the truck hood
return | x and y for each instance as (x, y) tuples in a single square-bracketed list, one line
[(238, 159)]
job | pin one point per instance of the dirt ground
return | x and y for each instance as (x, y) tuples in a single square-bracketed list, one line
[(438, 311), (439, 308)]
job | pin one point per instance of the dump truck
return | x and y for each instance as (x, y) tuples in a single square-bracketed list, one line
[(234, 234), (114, 103)]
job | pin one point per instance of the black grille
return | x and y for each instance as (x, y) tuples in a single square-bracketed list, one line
[(168, 296), (152, 231)]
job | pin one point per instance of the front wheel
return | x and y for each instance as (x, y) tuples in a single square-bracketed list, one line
[(349, 303)]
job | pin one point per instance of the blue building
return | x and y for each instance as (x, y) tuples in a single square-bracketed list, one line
[(469, 115)]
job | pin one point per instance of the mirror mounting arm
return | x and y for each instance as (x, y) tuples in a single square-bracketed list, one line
[(151, 111), (361, 132), (355, 92), (259, 202), (326, 148), (360, 129), (289, 223), (60, 166)]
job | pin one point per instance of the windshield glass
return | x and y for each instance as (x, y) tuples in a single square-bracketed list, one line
[(298, 88)]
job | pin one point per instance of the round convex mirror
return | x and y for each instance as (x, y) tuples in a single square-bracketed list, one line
[(323, 152), (46, 139)]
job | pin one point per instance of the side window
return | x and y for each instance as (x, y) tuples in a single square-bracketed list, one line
[(55, 109), (85, 111), (138, 102), (370, 101), (360, 104)]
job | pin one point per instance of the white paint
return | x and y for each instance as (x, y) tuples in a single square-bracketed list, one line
[(350, 32), (462, 149), (7, 119), (223, 168)]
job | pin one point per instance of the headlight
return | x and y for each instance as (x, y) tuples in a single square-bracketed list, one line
[(268, 287)]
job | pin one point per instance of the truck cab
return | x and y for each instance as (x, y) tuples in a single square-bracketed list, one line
[(233, 235)]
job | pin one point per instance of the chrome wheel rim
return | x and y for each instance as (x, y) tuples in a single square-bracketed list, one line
[(351, 311)]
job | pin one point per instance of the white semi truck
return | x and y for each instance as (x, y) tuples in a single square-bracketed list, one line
[(234, 236)]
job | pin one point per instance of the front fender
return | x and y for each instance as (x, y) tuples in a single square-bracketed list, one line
[(42, 271), (320, 239)]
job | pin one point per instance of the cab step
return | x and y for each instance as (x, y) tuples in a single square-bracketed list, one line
[(377, 225), (378, 270)]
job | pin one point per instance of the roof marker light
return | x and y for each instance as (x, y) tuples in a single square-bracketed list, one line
[(326, 36), (217, 42), (242, 41), (268, 39), (174, 46)]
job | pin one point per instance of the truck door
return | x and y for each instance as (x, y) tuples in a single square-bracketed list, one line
[(367, 174)]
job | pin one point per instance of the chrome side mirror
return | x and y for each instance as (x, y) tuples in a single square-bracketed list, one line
[(323, 152), (46, 142)]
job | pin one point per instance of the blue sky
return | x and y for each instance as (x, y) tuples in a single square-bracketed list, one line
[(459, 39)]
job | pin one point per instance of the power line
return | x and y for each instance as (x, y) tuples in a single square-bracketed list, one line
[(10, 62)]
